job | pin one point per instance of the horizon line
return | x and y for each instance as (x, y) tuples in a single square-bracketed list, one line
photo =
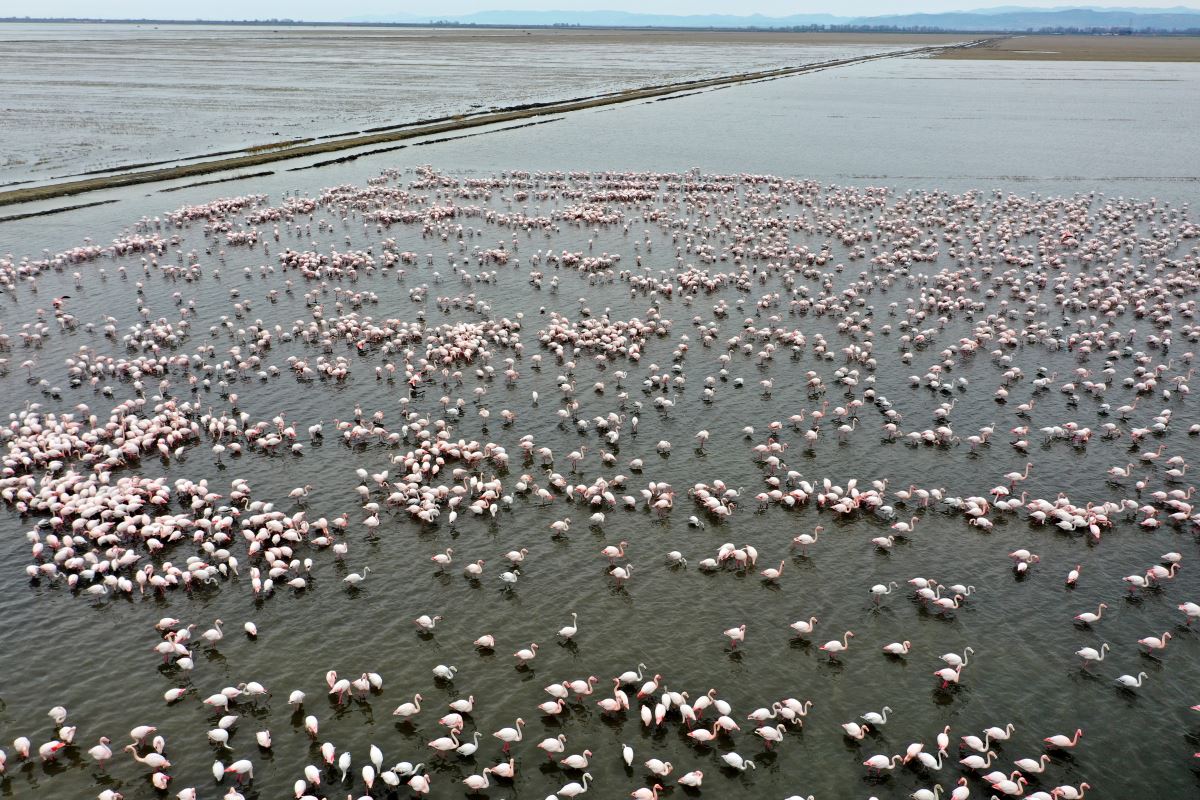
[(434, 19)]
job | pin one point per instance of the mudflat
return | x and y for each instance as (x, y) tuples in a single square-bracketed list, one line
[(558, 36), (1083, 48)]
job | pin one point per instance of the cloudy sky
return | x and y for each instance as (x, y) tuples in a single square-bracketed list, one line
[(324, 10)]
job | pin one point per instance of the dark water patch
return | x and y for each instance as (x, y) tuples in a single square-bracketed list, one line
[(48, 212), (485, 133), (219, 180), (346, 159)]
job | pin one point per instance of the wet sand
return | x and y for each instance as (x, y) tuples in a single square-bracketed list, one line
[(1180, 49)]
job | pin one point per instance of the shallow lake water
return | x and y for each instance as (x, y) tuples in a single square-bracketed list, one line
[(131, 94), (913, 125)]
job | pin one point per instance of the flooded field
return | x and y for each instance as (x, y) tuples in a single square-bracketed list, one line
[(134, 94)]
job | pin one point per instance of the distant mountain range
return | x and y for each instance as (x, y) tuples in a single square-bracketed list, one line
[(1004, 18)]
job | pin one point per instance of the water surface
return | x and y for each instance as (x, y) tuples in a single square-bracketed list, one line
[(911, 124), (81, 97)]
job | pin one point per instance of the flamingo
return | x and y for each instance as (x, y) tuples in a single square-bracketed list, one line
[(409, 709), (878, 763), (445, 744), (526, 654), (877, 719), (649, 687), (1033, 765), (771, 734), (576, 760), (1090, 654), (735, 761), (468, 749), (929, 761), (834, 647), (772, 574), (1015, 477), (1008, 786), (1155, 643), (574, 789), (948, 675), (996, 734), (954, 659), (419, 783), (1087, 617), (736, 635), (155, 761), (854, 730), (978, 762), (553, 746), (1063, 742), (806, 539), (510, 735), (1136, 582), (101, 752), (478, 782), (569, 631), (612, 553), (354, 579), (879, 591), (426, 622), (242, 769)]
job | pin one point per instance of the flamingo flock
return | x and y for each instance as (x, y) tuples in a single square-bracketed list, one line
[(456, 409)]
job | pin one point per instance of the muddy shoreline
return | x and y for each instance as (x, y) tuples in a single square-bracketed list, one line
[(1173, 49)]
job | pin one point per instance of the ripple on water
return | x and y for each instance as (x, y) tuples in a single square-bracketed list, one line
[(94, 656)]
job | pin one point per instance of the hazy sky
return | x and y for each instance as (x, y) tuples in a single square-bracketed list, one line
[(324, 10)]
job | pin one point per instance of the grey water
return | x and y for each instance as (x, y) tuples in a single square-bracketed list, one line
[(911, 124), (80, 97)]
